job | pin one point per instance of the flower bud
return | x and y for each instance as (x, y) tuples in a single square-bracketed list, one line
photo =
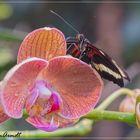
[(127, 105), (129, 102), (137, 108)]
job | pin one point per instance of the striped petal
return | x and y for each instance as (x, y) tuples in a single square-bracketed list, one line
[(43, 43), (77, 83), (16, 83)]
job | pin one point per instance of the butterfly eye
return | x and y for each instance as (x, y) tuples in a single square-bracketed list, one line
[(81, 37), (84, 53), (88, 49)]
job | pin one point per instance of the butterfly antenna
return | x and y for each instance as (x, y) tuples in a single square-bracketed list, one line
[(64, 21)]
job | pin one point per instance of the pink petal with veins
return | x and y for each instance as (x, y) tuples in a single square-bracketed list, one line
[(43, 43), (16, 83), (77, 83)]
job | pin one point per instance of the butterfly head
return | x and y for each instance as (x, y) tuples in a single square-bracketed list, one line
[(82, 42), (80, 37)]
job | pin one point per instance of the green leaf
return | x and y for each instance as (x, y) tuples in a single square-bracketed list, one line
[(5, 11)]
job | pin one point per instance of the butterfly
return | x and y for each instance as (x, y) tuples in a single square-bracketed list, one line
[(81, 48)]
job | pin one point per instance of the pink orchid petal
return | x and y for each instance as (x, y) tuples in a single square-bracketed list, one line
[(43, 43), (16, 83), (50, 122), (79, 85)]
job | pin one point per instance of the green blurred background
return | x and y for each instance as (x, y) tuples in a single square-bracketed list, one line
[(111, 26)]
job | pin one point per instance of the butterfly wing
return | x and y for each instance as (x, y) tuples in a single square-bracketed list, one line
[(98, 59), (106, 66)]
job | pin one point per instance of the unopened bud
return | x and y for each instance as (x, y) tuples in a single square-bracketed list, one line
[(129, 102), (128, 105), (137, 108)]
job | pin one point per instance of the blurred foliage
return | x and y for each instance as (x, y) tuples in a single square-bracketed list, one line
[(8, 125), (7, 60), (132, 54), (5, 11), (5, 56)]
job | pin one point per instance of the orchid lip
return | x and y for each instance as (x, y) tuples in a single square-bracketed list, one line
[(57, 103), (43, 99), (40, 123)]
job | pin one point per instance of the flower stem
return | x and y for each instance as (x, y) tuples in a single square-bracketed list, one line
[(112, 115), (113, 96), (80, 129), (100, 114)]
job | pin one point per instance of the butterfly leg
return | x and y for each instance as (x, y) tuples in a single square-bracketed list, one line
[(72, 47), (71, 42)]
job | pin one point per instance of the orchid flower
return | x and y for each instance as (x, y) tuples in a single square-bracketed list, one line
[(54, 89)]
